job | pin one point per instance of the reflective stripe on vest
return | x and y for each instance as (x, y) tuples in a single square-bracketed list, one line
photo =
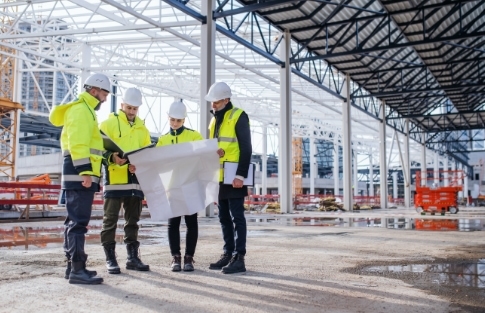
[(122, 187), (78, 178), (226, 139), (91, 151), (82, 161)]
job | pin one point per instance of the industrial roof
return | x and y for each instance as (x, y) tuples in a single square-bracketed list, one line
[(423, 58)]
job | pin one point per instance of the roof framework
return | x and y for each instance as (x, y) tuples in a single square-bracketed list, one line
[(423, 59)]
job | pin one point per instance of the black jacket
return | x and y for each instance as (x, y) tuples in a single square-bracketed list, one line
[(243, 135)]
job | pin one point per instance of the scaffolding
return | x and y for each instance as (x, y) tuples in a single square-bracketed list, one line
[(9, 119), (8, 109)]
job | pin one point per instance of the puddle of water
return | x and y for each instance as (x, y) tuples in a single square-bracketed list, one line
[(20, 237), (388, 222), (464, 274)]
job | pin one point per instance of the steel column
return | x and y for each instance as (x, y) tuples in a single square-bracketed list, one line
[(395, 194), (382, 156), (356, 173), (336, 174), (424, 174), (284, 162), (347, 147), (371, 176), (207, 63), (407, 168), (313, 165), (445, 169), (264, 160), (436, 169)]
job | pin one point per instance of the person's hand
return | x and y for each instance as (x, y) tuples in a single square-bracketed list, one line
[(87, 181), (131, 168), (221, 152), (237, 183), (118, 160)]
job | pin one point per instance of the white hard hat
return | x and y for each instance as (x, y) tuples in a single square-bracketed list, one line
[(218, 91), (98, 80), (133, 97), (177, 110)]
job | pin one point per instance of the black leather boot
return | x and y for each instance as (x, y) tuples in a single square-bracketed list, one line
[(223, 261), (188, 263), (176, 263), (80, 276), (236, 265), (111, 263), (68, 271), (133, 262)]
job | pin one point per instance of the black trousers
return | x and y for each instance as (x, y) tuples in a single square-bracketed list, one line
[(79, 205), (190, 237), (233, 224)]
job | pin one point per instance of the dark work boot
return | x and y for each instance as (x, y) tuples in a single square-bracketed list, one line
[(111, 263), (68, 271), (79, 275), (235, 266), (223, 261), (188, 263), (133, 262), (176, 263)]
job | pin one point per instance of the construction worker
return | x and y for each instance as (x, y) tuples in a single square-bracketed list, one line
[(178, 134), (230, 125), (82, 148), (121, 186)]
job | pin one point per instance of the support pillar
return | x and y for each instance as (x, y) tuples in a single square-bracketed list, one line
[(445, 172), (407, 167), (284, 162), (382, 157), (436, 169), (313, 165), (371, 176), (336, 174), (207, 63), (347, 148), (395, 194), (264, 161), (207, 72), (424, 174), (465, 185), (356, 173)]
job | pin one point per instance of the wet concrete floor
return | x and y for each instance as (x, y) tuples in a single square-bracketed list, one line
[(25, 237)]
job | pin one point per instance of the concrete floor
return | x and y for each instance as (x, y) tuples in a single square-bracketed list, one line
[(294, 265)]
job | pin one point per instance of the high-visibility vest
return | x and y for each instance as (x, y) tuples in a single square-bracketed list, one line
[(119, 182), (226, 138), (81, 142), (183, 134)]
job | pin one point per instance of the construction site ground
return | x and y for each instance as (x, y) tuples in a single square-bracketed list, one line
[(300, 262)]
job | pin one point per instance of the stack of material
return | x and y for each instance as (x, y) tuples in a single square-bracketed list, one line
[(330, 204), (272, 207)]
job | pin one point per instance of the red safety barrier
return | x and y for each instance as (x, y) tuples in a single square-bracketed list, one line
[(31, 194)]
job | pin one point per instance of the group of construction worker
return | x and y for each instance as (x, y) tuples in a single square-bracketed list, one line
[(84, 156)]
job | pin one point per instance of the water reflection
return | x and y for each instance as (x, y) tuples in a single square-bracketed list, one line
[(469, 274), (387, 222), (41, 237)]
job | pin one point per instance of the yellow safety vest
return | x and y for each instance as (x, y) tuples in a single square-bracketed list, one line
[(180, 135), (227, 139), (128, 137)]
